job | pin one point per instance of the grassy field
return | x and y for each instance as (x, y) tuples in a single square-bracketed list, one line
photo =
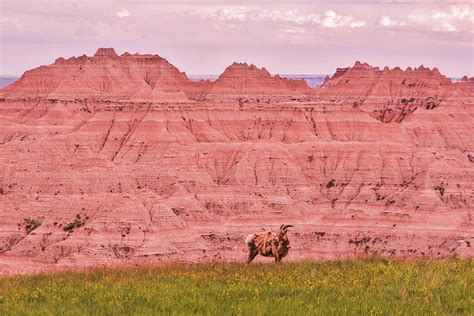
[(368, 287)]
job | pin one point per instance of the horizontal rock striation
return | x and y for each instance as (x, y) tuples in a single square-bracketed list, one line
[(103, 76), (391, 94), (242, 80), (125, 161), (107, 76)]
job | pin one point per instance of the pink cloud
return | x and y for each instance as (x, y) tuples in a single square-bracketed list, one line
[(205, 36)]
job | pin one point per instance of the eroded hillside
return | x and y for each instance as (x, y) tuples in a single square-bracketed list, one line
[(113, 159)]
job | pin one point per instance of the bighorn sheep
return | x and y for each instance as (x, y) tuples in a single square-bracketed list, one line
[(269, 244)]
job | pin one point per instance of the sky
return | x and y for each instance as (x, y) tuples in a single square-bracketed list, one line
[(205, 36)]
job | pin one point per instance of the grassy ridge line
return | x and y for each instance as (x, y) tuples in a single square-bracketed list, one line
[(372, 286)]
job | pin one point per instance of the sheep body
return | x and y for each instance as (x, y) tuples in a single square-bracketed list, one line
[(268, 244)]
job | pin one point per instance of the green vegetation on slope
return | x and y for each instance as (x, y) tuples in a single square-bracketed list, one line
[(372, 286)]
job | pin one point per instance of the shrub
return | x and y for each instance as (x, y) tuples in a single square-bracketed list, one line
[(31, 224), (331, 183), (74, 224)]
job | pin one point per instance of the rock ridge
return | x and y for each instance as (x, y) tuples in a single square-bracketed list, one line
[(118, 160)]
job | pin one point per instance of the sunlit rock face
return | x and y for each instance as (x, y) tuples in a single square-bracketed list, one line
[(121, 159), (242, 80), (391, 94)]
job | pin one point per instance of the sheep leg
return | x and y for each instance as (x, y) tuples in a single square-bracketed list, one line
[(277, 258), (252, 255)]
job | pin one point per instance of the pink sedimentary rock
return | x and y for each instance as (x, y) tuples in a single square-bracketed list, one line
[(467, 83), (121, 159), (103, 76), (242, 80), (391, 94)]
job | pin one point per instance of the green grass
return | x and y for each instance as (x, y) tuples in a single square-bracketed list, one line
[(359, 287)]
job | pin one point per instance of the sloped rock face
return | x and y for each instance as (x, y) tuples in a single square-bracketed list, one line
[(242, 80), (103, 76), (106, 179), (467, 84), (107, 76), (391, 94)]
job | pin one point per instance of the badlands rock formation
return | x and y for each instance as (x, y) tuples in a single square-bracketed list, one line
[(242, 80), (391, 94), (103, 76), (467, 82), (121, 159)]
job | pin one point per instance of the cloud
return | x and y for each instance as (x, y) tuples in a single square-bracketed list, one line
[(332, 19), (457, 18), (233, 15), (123, 13), (291, 34), (446, 27), (461, 12), (387, 21), (227, 15), (292, 16)]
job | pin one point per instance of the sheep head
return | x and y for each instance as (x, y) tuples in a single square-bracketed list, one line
[(283, 241)]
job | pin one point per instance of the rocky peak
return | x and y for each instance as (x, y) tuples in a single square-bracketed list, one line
[(466, 83), (360, 65), (106, 52), (243, 79), (364, 70), (105, 75), (390, 95), (245, 70)]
